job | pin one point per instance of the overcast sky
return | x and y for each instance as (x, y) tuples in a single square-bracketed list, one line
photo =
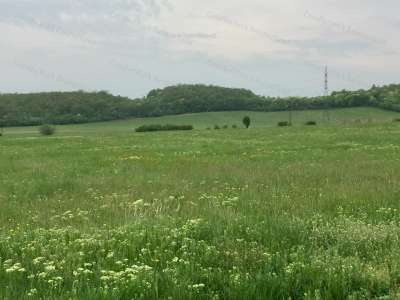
[(128, 47)]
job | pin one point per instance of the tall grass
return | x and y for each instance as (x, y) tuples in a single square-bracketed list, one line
[(279, 213)]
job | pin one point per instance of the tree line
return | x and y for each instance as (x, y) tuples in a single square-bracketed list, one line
[(84, 107)]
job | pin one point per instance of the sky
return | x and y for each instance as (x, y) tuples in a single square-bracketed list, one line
[(129, 47)]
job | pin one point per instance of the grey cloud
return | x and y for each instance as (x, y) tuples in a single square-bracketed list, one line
[(131, 46)]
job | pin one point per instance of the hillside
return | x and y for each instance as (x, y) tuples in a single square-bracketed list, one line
[(199, 98), (201, 121), (84, 107), (62, 108)]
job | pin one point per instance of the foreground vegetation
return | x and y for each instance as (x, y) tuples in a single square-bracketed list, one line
[(83, 107), (302, 212)]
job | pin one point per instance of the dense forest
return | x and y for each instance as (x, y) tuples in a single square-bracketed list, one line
[(83, 107), (62, 108)]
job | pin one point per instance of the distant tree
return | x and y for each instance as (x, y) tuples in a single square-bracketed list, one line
[(246, 121)]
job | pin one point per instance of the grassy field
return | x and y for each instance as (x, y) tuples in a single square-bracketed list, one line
[(306, 212), (209, 120)]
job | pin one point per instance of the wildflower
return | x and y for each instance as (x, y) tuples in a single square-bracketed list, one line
[(196, 287), (138, 202), (38, 260), (50, 268), (15, 268), (32, 292)]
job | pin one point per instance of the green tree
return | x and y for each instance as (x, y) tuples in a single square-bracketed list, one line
[(246, 121)]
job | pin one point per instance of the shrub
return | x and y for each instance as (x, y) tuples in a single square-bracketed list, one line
[(225, 127), (283, 123), (145, 128), (310, 123), (216, 127), (47, 130), (246, 121), (177, 127), (396, 120), (208, 128), (234, 126), (168, 127)]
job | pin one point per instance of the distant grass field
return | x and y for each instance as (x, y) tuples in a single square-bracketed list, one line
[(305, 212), (209, 120)]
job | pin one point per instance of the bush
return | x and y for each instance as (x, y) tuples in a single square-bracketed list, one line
[(168, 127), (225, 127), (145, 128), (177, 127), (216, 127), (310, 123), (234, 126), (396, 120), (47, 130), (284, 123)]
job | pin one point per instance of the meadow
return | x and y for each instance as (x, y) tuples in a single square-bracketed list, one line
[(345, 116), (98, 211)]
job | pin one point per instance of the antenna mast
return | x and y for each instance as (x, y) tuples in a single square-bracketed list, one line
[(326, 88), (326, 94)]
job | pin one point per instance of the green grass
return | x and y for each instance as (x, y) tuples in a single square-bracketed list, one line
[(99, 212), (208, 120)]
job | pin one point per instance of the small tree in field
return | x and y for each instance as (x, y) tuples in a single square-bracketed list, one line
[(246, 121)]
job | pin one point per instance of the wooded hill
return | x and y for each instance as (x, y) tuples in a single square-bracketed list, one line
[(83, 107)]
